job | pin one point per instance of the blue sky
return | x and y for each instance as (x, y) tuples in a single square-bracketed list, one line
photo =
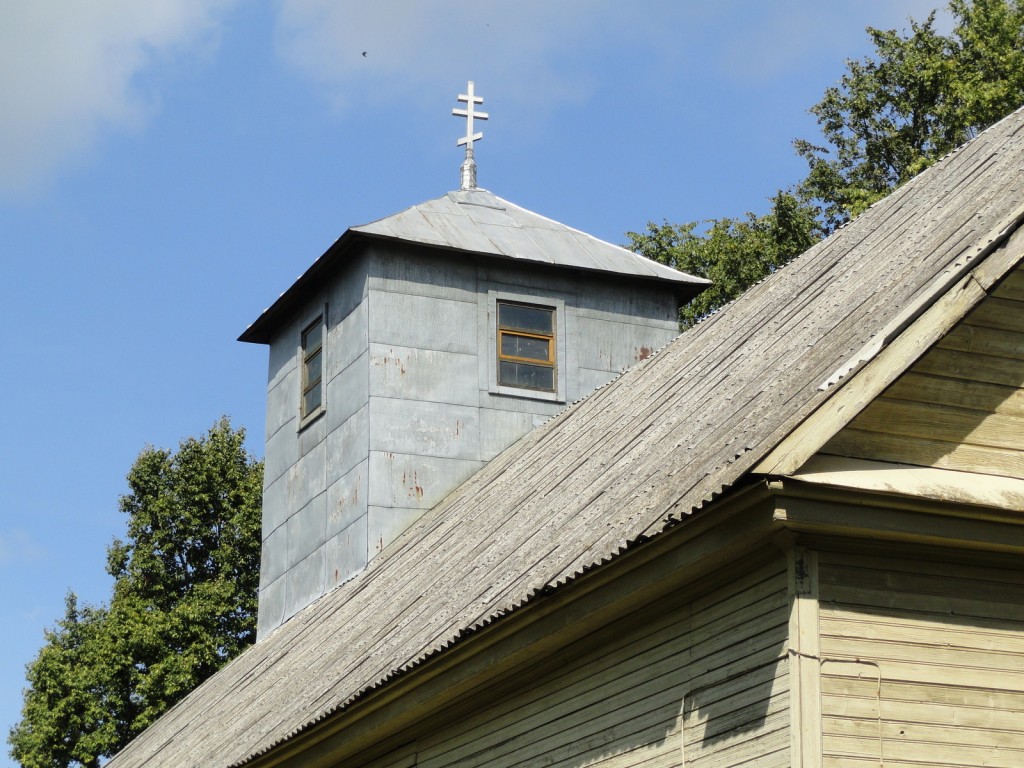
[(168, 168)]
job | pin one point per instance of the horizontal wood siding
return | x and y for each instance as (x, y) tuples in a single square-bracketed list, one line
[(708, 680), (961, 406), (922, 663)]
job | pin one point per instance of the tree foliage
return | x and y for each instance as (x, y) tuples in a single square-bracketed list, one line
[(732, 253), (183, 604), (917, 98), (893, 114)]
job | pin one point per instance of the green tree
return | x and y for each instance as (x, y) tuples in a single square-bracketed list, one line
[(893, 114), (63, 718), (732, 253), (918, 97), (184, 603)]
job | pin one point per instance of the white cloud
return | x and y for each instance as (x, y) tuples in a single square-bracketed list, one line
[(18, 547), (395, 49), (69, 69), (542, 52), (786, 35)]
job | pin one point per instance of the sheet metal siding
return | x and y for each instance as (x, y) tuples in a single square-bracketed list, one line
[(921, 662), (408, 400), (658, 441), (708, 681), (303, 467)]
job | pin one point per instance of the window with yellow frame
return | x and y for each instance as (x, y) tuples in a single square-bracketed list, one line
[(526, 346)]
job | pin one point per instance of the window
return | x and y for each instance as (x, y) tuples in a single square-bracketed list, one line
[(312, 368), (526, 346)]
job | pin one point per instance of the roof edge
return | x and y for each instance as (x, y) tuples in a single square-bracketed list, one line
[(262, 329), (746, 497), (949, 299)]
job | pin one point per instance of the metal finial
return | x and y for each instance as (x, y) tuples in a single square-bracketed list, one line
[(469, 164)]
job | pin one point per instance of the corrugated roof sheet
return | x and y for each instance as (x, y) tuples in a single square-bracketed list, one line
[(656, 443)]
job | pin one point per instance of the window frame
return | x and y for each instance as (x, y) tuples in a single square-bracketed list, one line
[(510, 330), (305, 357), (490, 339)]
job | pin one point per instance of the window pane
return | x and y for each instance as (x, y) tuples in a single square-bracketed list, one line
[(314, 366), (311, 400), (311, 337), (513, 345), (526, 375), (534, 319)]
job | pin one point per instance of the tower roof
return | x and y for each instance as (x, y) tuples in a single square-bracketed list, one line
[(479, 222)]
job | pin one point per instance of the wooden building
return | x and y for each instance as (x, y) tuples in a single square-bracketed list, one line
[(792, 537)]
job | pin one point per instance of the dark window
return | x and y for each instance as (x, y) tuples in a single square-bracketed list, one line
[(526, 346), (312, 367)]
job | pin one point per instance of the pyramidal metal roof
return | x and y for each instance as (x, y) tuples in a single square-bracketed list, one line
[(479, 222)]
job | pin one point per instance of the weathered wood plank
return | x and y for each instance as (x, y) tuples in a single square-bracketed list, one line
[(932, 734), (1012, 286), (983, 340), (994, 370), (942, 423), (994, 312), (835, 565), (922, 594), (837, 705), (926, 453), (966, 701), (960, 662), (851, 624), (958, 393), (853, 761), (923, 754)]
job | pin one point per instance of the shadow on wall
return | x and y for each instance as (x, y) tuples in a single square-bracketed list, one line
[(699, 683)]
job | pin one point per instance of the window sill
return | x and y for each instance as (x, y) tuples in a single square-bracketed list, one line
[(311, 418), (529, 394)]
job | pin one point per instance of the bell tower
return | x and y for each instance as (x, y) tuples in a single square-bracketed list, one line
[(415, 350)]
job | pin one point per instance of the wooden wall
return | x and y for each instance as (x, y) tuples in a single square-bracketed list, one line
[(922, 662), (694, 685), (961, 406)]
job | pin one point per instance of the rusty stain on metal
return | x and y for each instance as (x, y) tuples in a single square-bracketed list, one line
[(414, 489), (643, 353), (388, 359)]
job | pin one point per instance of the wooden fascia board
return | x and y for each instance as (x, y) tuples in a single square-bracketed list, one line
[(1004, 496), (808, 508), (709, 542), (924, 327)]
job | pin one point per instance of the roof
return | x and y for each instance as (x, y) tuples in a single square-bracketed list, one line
[(479, 222), (650, 447)]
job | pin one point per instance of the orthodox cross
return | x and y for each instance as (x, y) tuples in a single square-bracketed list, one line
[(470, 99)]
